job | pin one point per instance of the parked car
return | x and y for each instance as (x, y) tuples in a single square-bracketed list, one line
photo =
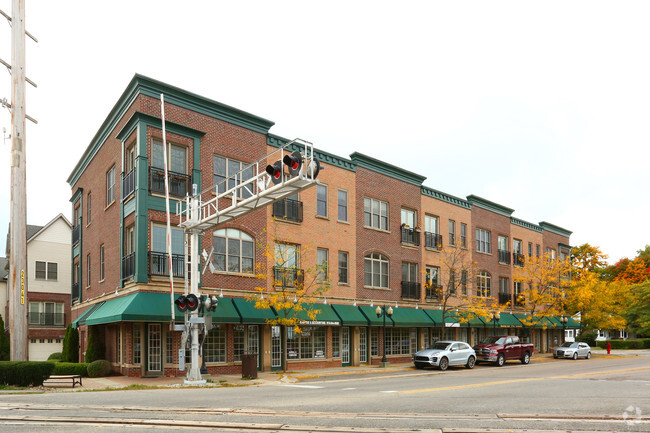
[(502, 348), (442, 354), (573, 350)]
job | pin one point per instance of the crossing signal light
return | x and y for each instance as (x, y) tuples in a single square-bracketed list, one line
[(294, 162), (211, 302), (187, 302), (314, 168), (275, 171)]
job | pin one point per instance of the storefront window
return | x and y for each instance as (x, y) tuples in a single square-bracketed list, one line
[(214, 347), (310, 343), (401, 341)]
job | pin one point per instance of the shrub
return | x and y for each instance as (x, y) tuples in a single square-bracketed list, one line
[(5, 345), (25, 373), (56, 356), (588, 337), (640, 343), (65, 368), (71, 345), (99, 368), (96, 348)]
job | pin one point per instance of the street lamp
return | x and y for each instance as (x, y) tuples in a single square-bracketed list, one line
[(383, 311), (564, 320), (496, 316)]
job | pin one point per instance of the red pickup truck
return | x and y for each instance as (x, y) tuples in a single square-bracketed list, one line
[(502, 348)]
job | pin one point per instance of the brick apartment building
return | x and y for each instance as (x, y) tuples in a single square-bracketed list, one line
[(376, 226)]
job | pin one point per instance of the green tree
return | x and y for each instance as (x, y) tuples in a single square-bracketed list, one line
[(71, 345), (5, 345), (96, 348), (638, 313)]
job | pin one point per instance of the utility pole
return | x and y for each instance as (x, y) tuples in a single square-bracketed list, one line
[(18, 209)]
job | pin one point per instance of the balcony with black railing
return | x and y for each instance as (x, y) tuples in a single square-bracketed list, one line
[(504, 257), (128, 266), (410, 290), (76, 234), (288, 210), (432, 240), (410, 236), (159, 265), (46, 319), (128, 185), (287, 278), (518, 260), (179, 183), (433, 292), (504, 298)]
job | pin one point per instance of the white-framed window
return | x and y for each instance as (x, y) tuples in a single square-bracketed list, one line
[(463, 235), (483, 244), (409, 218), (502, 243), (483, 284), (452, 232), (309, 344), (88, 279), (530, 249), (235, 172), (129, 157), (159, 239), (46, 271), (129, 240), (215, 344), (375, 213), (410, 272), (376, 270), (176, 157), (517, 246), (432, 277), (233, 251), (88, 206), (336, 342), (46, 313), (137, 344), (102, 261), (343, 267), (321, 264), (551, 253), (321, 200), (110, 186), (342, 198), (431, 224), (401, 341)]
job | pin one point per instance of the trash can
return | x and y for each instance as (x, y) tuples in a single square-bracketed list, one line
[(249, 366)]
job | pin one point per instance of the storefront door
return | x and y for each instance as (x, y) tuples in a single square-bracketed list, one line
[(276, 348), (154, 350), (363, 345), (345, 346)]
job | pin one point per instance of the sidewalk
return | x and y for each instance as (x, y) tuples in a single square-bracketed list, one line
[(276, 377)]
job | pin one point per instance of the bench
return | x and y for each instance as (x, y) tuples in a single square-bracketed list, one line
[(75, 378)]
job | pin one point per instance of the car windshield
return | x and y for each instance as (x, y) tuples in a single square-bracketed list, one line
[(494, 340), (569, 344), (439, 346)]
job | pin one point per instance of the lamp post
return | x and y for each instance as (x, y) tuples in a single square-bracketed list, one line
[(383, 311), (496, 316), (564, 320)]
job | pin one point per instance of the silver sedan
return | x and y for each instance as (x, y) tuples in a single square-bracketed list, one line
[(572, 350), (442, 354)]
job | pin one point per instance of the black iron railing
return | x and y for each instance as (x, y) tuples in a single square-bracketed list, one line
[(433, 291), (410, 236), (504, 256), (179, 183), (128, 266), (410, 290), (287, 278), (504, 298), (518, 259), (432, 240), (288, 209), (159, 265), (128, 185), (76, 234), (46, 319)]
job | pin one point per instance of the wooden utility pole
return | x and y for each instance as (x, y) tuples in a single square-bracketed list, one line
[(18, 209)]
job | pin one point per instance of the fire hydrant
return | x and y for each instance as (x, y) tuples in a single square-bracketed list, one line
[(609, 347)]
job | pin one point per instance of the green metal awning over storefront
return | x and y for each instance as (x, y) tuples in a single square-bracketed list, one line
[(350, 315), (528, 321), (506, 320), (435, 316), (224, 313), (250, 314), (371, 316), (325, 315), (81, 320), (409, 317)]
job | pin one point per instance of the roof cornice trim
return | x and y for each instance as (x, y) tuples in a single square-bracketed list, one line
[(555, 229), (490, 205), (382, 167), (430, 192), (139, 116), (525, 224)]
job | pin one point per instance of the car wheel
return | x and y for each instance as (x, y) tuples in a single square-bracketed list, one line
[(444, 363), (575, 355), (588, 355), (526, 358), (471, 362), (501, 360)]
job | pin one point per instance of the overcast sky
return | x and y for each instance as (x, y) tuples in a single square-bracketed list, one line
[(542, 107)]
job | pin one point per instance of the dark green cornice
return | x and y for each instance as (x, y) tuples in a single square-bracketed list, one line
[(141, 85), (555, 229), (76, 195), (525, 224), (384, 168), (445, 197), (489, 205), (157, 122), (561, 245), (328, 158)]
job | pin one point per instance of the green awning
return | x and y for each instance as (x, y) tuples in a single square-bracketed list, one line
[(476, 322), (81, 320), (409, 317), (250, 314), (325, 315), (371, 316), (350, 315), (537, 322), (506, 320), (136, 307), (435, 316), (572, 324), (225, 312)]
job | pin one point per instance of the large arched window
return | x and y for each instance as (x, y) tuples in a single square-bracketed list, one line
[(233, 251), (376, 270), (483, 284)]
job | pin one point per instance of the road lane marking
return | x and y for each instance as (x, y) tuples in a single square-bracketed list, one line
[(348, 389), (389, 392), (304, 386), (531, 379)]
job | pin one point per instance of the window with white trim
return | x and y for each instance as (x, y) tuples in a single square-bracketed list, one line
[(46, 271), (483, 284), (322, 273), (110, 186), (236, 172), (375, 213), (376, 270), (483, 244), (233, 251), (342, 205), (321, 200)]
